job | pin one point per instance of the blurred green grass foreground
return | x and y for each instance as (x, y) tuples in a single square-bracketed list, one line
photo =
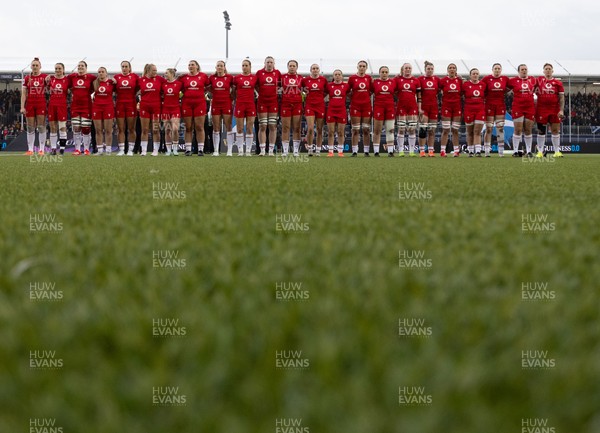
[(354, 295)]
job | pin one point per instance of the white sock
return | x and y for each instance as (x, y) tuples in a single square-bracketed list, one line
[(456, 149), (390, 147), (200, 147), (478, 148), (77, 140), (516, 140), (87, 138), (216, 136), (169, 147), (355, 149), (155, 145), (188, 147), (488, 147), (366, 147), (231, 137), (555, 142), (471, 148), (239, 141), (144, 145), (296, 144), (30, 141), (286, 147), (528, 142), (100, 148), (412, 139), (376, 148), (229, 146), (400, 142), (248, 142), (541, 139), (122, 146), (53, 138)]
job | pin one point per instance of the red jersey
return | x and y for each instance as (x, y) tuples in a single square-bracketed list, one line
[(267, 83), (474, 94), (36, 88), (337, 95), (315, 88), (523, 89), (292, 88), (150, 89), (384, 91), (548, 90), (244, 88), (407, 89), (171, 90), (193, 86), (127, 86), (58, 90), (361, 89), (495, 89), (430, 87), (81, 88), (451, 90), (221, 87), (104, 93)]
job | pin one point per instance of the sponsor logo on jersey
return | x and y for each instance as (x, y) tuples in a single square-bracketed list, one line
[(525, 86), (453, 86), (269, 80), (548, 85), (362, 86), (80, 82), (430, 84), (102, 89), (58, 86), (149, 85), (194, 84), (125, 83), (476, 93), (385, 88), (497, 84), (314, 85), (293, 81), (406, 86), (246, 83), (170, 90), (219, 84), (337, 92)]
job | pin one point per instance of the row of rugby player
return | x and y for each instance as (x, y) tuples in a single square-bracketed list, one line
[(397, 105)]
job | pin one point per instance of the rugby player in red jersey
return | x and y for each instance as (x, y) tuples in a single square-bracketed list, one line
[(268, 81), (407, 110), (550, 109), (221, 107), (451, 87), (314, 107), (384, 111), (495, 107), (126, 86), (245, 107), (430, 87), (33, 106), (523, 109), (360, 107), (474, 92), (171, 110), (81, 86), (291, 108), (103, 111), (193, 106), (150, 85), (337, 116), (58, 85)]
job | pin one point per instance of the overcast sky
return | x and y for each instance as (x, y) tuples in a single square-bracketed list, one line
[(335, 31)]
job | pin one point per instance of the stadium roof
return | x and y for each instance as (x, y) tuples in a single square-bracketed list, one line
[(581, 70)]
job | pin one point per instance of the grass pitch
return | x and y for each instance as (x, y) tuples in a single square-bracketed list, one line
[(355, 295)]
